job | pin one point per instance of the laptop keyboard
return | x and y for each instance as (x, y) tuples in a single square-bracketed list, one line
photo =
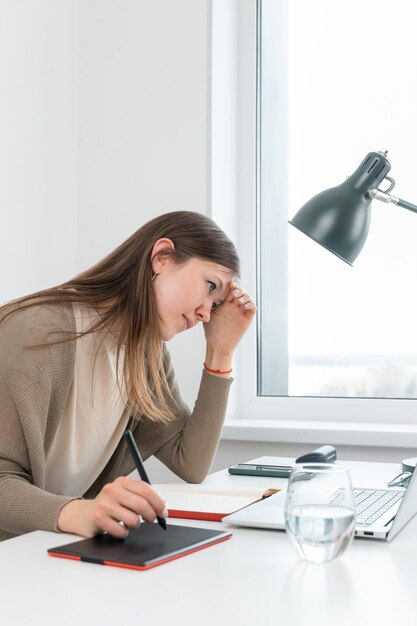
[(372, 503)]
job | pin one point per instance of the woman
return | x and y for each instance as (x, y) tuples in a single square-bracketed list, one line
[(83, 361)]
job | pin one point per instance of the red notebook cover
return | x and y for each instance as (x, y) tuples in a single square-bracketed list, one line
[(202, 503), (145, 547), (199, 515)]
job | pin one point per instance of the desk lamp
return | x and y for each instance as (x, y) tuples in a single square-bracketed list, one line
[(339, 218)]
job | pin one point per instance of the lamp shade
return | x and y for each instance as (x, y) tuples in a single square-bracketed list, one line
[(339, 218)]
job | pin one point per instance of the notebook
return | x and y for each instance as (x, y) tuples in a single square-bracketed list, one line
[(145, 547), (381, 513), (205, 503)]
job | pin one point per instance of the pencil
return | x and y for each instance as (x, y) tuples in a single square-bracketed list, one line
[(140, 467)]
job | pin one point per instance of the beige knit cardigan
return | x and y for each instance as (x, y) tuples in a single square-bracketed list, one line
[(34, 386)]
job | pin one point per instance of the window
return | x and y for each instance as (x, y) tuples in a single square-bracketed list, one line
[(333, 344), (348, 332)]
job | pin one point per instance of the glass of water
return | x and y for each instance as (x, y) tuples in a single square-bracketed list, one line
[(320, 511)]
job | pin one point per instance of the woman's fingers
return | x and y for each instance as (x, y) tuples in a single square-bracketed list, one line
[(140, 506), (241, 297), (125, 500), (142, 498), (116, 521)]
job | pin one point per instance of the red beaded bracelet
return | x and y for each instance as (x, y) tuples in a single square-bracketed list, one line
[(216, 371)]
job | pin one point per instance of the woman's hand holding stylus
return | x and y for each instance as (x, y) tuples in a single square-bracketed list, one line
[(125, 500)]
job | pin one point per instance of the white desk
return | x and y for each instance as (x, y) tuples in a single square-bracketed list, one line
[(254, 579)]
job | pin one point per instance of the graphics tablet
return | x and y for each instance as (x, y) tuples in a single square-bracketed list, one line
[(145, 547)]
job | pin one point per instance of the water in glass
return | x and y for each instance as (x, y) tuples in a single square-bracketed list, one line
[(320, 512)]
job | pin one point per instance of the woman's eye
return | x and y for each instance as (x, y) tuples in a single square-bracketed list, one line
[(212, 287)]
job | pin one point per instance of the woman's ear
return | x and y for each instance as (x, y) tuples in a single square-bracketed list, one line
[(161, 254)]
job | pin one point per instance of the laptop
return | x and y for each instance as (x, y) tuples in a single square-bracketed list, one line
[(380, 513)]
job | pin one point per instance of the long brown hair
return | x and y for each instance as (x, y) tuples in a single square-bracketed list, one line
[(122, 282)]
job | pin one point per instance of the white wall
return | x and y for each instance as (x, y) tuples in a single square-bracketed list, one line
[(38, 143), (143, 109)]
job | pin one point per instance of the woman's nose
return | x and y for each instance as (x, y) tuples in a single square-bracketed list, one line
[(203, 312)]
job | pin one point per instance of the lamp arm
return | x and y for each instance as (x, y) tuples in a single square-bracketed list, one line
[(407, 205), (377, 194)]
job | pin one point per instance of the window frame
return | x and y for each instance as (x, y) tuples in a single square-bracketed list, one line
[(235, 105)]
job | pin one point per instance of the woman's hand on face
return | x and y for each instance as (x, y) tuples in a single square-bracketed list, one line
[(230, 320), (125, 500)]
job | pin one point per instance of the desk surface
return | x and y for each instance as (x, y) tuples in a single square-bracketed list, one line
[(254, 579)]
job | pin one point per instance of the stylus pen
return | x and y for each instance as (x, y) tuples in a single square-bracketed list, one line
[(131, 443)]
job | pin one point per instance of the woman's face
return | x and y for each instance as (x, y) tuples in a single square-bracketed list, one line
[(186, 293)]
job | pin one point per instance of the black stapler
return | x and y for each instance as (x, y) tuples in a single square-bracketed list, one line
[(324, 454)]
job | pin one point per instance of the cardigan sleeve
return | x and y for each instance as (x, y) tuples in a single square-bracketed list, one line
[(187, 444), (34, 384)]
